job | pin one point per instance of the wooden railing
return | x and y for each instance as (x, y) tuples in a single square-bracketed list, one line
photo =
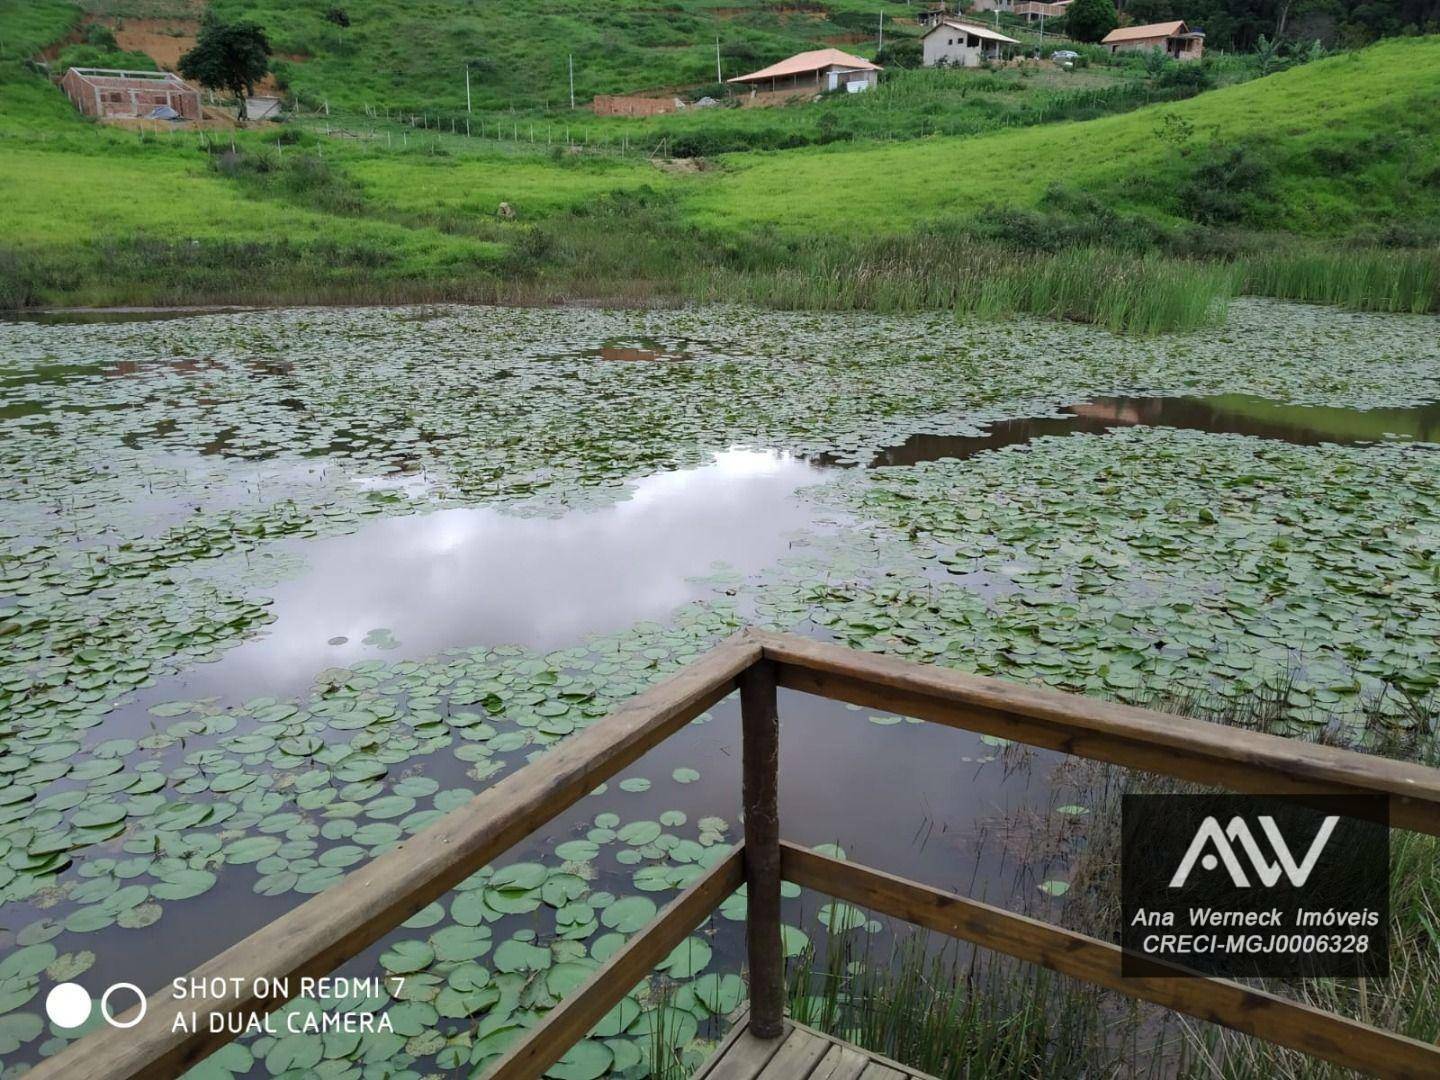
[(314, 938)]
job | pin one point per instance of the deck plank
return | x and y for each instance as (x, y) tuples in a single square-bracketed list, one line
[(800, 1053), (746, 1056), (797, 1058), (841, 1062)]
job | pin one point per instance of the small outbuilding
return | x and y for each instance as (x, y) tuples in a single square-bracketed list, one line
[(112, 94), (821, 69), (962, 43), (1174, 39)]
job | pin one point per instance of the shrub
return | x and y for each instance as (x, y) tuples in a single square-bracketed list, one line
[(1186, 80), (903, 53), (100, 57), (1227, 185), (100, 36)]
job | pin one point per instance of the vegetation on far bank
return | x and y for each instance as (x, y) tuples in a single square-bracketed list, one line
[(1175, 206)]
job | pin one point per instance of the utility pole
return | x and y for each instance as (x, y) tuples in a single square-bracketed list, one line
[(1041, 46), (572, 80), (467, 89), (719, 76), (881, 46)]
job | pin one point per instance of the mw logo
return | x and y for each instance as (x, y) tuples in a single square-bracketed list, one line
[(1223, 842)]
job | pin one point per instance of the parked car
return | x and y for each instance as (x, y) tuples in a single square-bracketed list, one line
[(1061, 55)]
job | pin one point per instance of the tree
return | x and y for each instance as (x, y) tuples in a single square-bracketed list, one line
[(339, 18), (1090, 20), (1268, 55), (228, 56)]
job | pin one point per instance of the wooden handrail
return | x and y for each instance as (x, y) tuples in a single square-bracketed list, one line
[(1158, 742), (314, 938), (573, 1018), (335, 925), (1220, 1001)]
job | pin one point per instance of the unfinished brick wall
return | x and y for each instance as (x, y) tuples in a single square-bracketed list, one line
[(624, 105), (116, 97)]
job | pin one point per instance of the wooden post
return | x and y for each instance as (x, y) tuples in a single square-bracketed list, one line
[(760, 753)]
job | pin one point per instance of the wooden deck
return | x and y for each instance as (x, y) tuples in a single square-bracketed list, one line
[(801, 1053)]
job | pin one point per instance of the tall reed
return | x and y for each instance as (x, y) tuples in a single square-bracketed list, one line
[(1124, 293), (1377, 279)]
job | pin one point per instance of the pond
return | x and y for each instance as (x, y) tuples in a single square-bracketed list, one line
[(278, 588)]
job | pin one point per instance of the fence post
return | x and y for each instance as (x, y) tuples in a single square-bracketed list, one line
[(760, 754)]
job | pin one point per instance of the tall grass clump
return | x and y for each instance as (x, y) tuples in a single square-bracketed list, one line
[(954, 1012), (1126, 293), (1408, 1001), (1379, 279)]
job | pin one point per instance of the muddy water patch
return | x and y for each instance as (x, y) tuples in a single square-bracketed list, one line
[(1227, 414)]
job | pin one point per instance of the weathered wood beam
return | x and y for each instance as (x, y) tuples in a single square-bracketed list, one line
[(1178, 746), (316, 937), (1220, 1001), (579, 1012), (760, 754)]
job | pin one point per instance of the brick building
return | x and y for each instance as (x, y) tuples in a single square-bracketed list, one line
[(108, 94)]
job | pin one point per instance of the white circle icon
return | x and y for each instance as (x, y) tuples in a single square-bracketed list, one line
[(68, 1005), (105, 1005)]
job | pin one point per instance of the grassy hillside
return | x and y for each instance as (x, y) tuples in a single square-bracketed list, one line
[(91, 213), (28, 26), (413, 55), (1347, 141)]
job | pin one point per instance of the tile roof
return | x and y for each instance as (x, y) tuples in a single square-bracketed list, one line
[(805, 62), (1143, 33)]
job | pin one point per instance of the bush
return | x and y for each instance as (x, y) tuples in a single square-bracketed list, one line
[(1228, 185), (904, 53), (1186, 80), (101, 37), (99, 57)]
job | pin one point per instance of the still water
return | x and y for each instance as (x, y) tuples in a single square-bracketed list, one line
[(917, 800)]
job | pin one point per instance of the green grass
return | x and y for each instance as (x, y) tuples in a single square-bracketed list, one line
[(1145, 295), (27, 26), (414, 56), (1361, 135), (971, 224)]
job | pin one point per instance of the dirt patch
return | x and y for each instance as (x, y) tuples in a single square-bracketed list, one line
[(166, 40), (163, 40), (683, 165), (764, 99)]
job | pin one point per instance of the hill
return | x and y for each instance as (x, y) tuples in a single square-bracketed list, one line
[(1332, 146), (1343, 149), (413, 56)]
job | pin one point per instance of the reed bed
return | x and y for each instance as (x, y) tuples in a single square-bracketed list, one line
[(1378, 279), (1124, 293)]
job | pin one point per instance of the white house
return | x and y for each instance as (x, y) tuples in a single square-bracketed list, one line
[(962, 43)]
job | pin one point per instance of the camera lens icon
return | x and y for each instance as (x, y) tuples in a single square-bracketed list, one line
[(69, 1005)]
